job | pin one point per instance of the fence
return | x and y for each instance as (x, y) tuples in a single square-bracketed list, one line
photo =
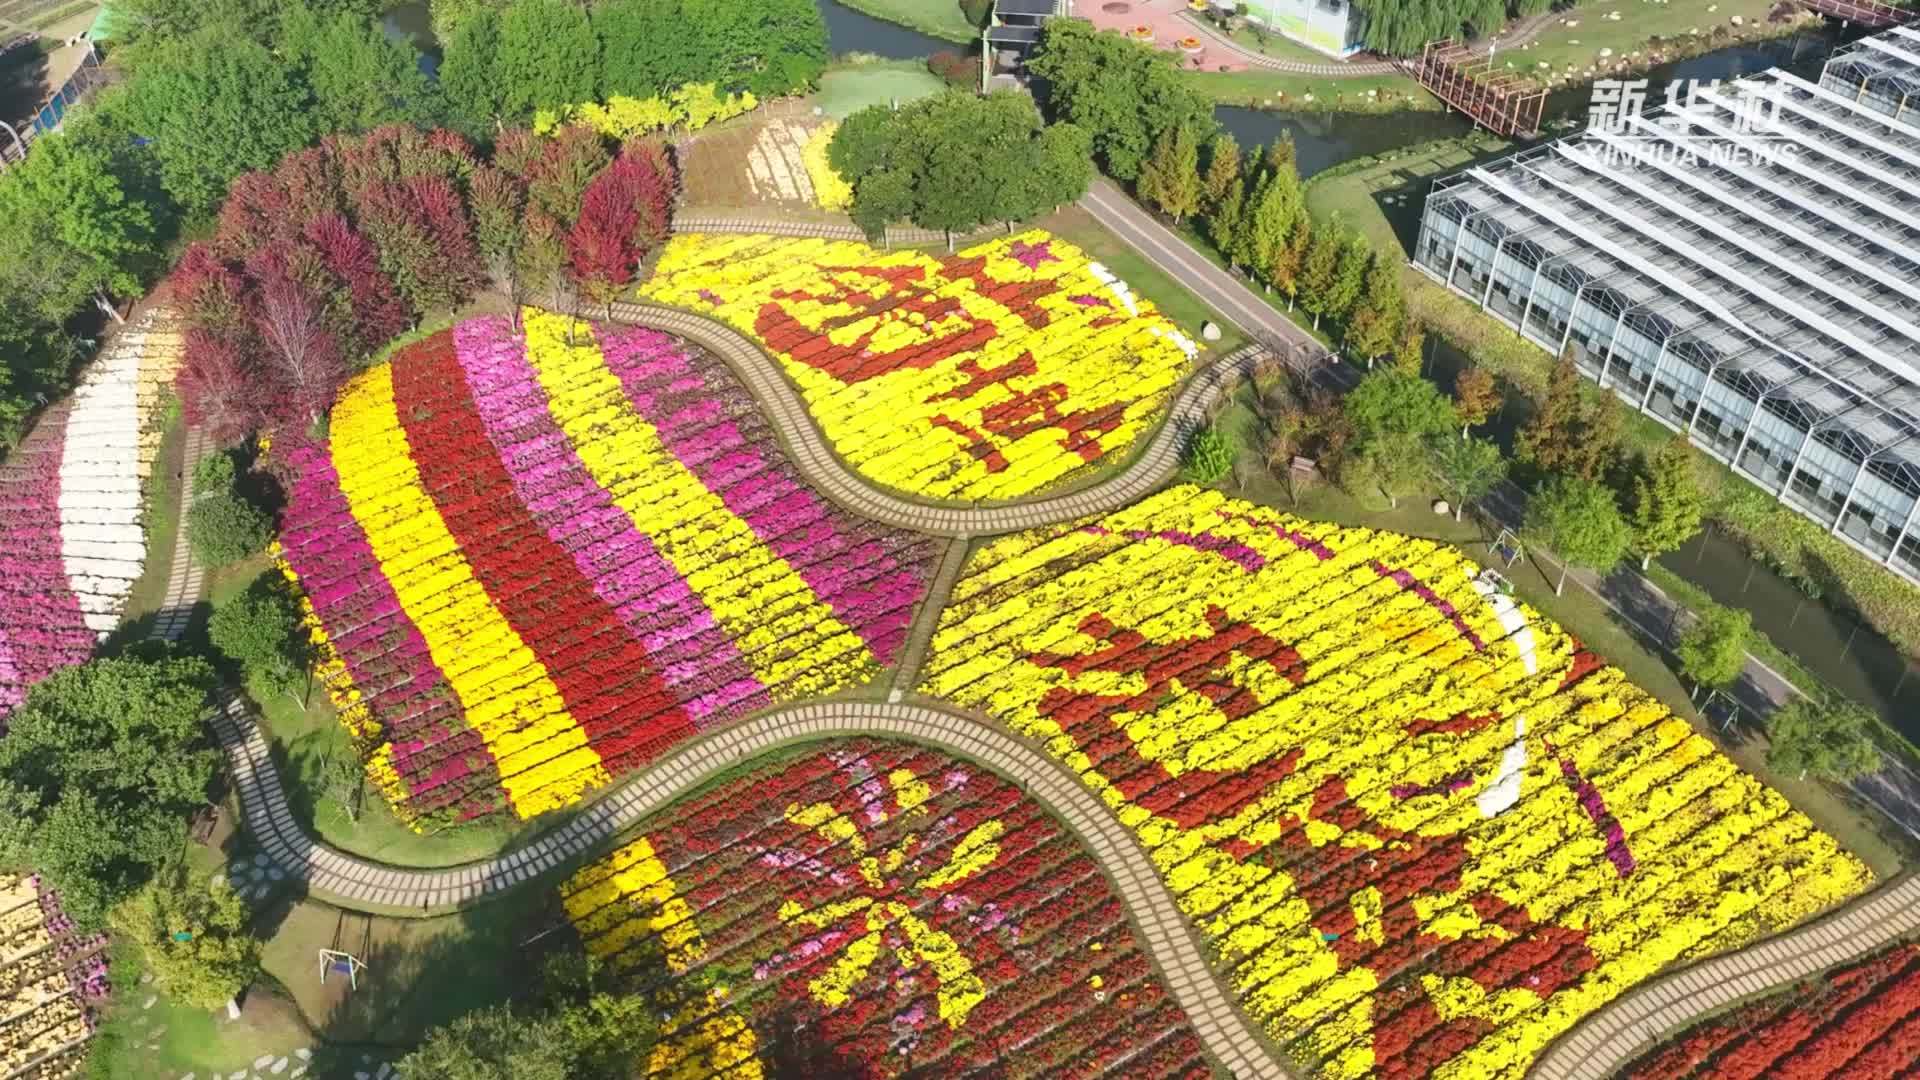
[(78, 85)]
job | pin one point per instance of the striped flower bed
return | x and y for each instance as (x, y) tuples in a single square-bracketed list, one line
[(72, 541), (533, 564), (917, 914)]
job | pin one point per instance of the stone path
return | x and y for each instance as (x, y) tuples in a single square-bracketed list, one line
[(810, 454), (1611, 1038), (1163, 929), (184, 576)]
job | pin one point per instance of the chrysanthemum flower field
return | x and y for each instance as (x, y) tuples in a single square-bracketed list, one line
[(991, 374), (926, 914), (51, 979), (72, 541), (1856, 1022), (1425, 831), (536, 558)]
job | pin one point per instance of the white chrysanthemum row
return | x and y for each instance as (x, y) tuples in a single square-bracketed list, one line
[(108, 450)]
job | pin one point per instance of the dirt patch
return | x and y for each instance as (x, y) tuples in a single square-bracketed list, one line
[(751, 165)]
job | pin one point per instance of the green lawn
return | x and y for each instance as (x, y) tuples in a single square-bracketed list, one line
[(848, 89), (1258, 89), (1172, 298), (939, 18), (1382, 196), (1572, 44), (162, 516)]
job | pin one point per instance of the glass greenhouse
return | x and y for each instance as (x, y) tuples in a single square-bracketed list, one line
[(1742, 265)]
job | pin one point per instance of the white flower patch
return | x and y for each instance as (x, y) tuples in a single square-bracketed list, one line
[(1505, 789), (1180, 340), (102, 545), (1115, 285)]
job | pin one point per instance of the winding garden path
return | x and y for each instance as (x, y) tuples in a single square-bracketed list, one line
[(1163, 929), (1607, 1040), (815, 460)]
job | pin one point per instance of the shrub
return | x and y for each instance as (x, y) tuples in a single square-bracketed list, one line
[(223, 528), (1208, 457), (956, 70)]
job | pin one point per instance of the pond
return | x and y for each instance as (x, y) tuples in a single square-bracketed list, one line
[(413, 22)]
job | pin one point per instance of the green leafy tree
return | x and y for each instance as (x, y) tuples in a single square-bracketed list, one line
[(193, 936), (1466, 469), (547, 57), (1393, 462), (359, 77), (223, 527), (1667, 503), (1208, 456), (1476, 397), (768, 47), (1578, 520), (1403, 27), (1223, 171), (89, 202), (1391, 402), (214, 107), (259, 630), (450, 15), (956, 161), (1713, 651), (470, 92), (1831, 741), (101, 766), (1318, 270), (605, 1037), (646, 47), (1125, 94), (1170, 180)]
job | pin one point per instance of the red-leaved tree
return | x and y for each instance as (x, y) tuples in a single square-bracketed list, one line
[(300, 350), (378, 312)]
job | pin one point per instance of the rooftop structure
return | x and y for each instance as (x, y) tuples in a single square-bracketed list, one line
[(1742, 265)]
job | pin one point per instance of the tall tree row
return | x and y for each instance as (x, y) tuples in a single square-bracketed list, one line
[(316, 264)]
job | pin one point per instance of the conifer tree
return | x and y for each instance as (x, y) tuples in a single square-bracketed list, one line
[(1271, 216), (1476, 397), (1667, 504), (1349, 276), (1290, 263), (1317, 272), (1224, 220), (1546, 440), (1373, 325), (1170, 179), (1223, 171)]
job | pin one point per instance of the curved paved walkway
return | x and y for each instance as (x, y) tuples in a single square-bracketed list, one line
[(810, 454), (1163, 929), (1607, 1040)]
